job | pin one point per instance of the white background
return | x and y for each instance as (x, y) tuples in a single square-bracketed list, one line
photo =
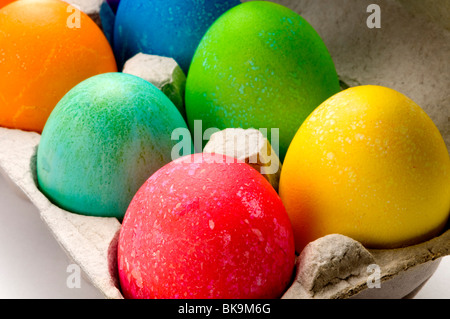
[(33, 265)]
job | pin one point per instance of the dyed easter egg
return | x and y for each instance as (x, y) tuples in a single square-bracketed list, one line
[(46, 48), (169, 28), (102, 141), (5, 2), (369, 164), (261, 66), (205, 226)]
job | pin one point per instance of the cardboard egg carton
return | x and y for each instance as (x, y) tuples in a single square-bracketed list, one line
[(408, 53)]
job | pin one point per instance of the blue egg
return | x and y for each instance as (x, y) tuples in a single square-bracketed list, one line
[(170, 28)]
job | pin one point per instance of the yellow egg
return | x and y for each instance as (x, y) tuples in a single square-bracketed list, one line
[(369, 164)]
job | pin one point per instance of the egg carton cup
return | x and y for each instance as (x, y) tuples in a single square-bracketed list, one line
[(90, 242), (409, 53)]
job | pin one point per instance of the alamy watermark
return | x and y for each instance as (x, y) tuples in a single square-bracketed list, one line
[(74, 19), (374, 19), (73, 280), (374, 279)]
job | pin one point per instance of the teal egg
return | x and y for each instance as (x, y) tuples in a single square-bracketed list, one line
[(261, 66), (103, 140)]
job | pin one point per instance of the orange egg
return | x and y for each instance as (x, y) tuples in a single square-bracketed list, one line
[(46, 48), (5, 2)]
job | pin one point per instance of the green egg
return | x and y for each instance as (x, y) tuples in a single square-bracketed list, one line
[(262, 66), (102, 141)]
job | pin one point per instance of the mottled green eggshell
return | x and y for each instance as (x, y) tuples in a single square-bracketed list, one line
[(102, 141), (260, 65)]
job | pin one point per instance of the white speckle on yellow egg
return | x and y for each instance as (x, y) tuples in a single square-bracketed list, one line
[(366, 166)]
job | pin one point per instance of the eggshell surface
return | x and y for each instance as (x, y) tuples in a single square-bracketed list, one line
[(168, 28), (5, 2), (260, 65), (205, 226), (369, 164), (42, 56), (103, 140)]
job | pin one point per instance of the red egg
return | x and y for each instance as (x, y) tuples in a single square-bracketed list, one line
[(206, 226)]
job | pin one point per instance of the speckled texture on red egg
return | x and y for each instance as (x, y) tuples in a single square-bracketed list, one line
[(206, 226)]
